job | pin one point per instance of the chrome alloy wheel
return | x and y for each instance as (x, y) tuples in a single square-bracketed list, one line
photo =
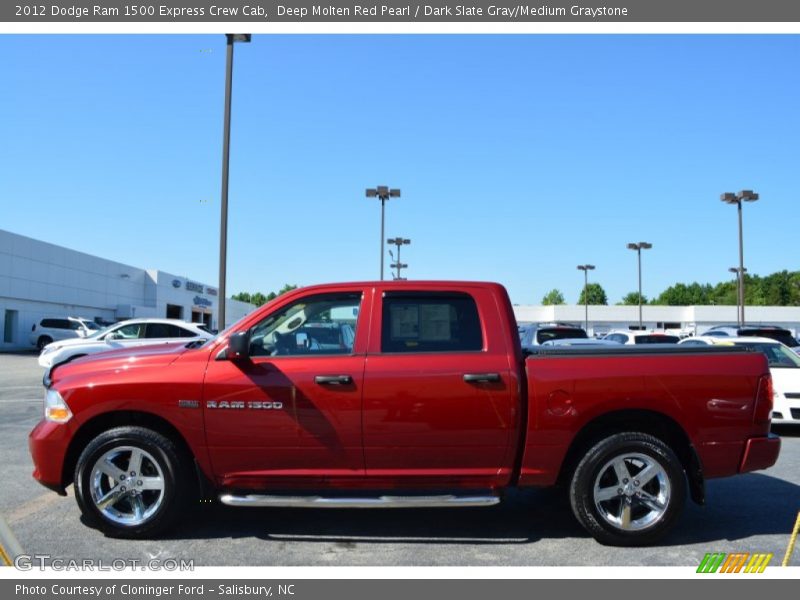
[(127, 485), (632, 491)]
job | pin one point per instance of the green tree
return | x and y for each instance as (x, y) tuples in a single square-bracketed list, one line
[(259, 299), (554, 296), (632, 299), (596, 294)]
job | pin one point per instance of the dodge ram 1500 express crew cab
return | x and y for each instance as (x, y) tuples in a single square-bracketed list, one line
[(399, 394)]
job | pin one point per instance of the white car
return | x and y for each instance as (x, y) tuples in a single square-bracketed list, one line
[(126, 334), (784, 365), (61, 328), (640, 337)]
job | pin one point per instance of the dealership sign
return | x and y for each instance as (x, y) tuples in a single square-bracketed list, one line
[(200, 301)]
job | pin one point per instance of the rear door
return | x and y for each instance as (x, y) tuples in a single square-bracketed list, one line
[(440, 396)]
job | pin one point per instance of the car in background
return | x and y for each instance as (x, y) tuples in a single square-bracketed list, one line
[(577, 343), (780, 334), (784, 365), (125, 334), (62, 328), (641, 337), (535, 334)]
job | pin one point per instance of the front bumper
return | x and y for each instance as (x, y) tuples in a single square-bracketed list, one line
[(48, 443), (760, 453)]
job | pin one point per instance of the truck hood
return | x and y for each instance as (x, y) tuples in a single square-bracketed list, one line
[(124, 359)]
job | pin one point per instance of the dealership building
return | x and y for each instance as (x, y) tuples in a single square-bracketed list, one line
[(40, 280)]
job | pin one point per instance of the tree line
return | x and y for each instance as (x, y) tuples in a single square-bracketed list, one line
[(778, 289), (259, 298)]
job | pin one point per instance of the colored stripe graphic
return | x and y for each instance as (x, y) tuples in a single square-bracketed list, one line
[(711, 562), (734, 562), (758, 563)]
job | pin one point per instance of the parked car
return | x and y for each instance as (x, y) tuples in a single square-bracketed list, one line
[(784, 336), (435, 401), (61, 328), (576, 343), (784, 364), (641, 337), (125, 334), (533, 334)]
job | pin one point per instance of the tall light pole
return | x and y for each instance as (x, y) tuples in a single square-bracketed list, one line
[(737, 199), (398, 241), (639, 247), (226, 146), (738, 284), (383, 193), (586, 269)]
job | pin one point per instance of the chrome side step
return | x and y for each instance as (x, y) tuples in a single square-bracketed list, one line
[(258, 501)]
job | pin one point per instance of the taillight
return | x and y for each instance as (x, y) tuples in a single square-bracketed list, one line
[(763, 411)]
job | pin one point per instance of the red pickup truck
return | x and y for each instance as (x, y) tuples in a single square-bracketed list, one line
[(399, 394)]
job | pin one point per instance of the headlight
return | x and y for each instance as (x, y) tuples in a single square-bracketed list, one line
[(55, 409), (50, 348)]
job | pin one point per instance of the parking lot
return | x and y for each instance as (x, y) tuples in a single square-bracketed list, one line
[(750, 513)]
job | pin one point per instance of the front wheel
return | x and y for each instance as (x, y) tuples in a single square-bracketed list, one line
[(129, 482), (628, 489)]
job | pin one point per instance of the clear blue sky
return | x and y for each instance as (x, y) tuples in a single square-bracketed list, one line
[(519, 156)]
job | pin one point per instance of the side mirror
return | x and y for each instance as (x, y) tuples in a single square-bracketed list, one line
[(238, 345)]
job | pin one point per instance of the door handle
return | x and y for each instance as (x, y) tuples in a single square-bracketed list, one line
[(482, 377), (333, 379)]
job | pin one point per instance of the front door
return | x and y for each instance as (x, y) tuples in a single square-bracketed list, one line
[(291, 412)]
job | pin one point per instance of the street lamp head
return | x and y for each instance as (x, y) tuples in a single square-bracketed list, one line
[(645, 245), (586, 267), (395, 193), (372, 193), (747, 195), (729, 198), (238, 37), (406, 241), (383, 192), (734, 269), (633, 246)]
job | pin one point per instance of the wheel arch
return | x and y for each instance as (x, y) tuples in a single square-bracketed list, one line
[(105, 421), (651, 422)]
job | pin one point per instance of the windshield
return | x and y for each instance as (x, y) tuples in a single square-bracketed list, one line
[(778, 356), (91, 325)]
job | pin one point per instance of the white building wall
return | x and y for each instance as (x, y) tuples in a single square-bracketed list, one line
[(39, 280)]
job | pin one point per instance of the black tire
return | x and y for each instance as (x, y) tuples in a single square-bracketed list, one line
[(43, 341), (160, 454), (647, 520)]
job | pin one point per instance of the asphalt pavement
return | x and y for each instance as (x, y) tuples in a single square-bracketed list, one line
[(748, 513)]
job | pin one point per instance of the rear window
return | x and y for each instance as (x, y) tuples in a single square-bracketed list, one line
[(559, 333), (656, 339), (781, 335), (430, 322)]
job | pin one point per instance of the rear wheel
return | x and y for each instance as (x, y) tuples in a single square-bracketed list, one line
[(628, 490), (130, 482), (43, 341)]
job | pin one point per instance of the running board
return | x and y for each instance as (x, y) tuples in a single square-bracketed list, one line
[(259, 501)]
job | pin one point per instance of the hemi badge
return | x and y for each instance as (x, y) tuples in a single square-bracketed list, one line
[(189, 403)]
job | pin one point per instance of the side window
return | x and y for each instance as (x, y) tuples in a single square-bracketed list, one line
[(430, 322), (129, 332), (313, 326), (159, 330), (176, 331)]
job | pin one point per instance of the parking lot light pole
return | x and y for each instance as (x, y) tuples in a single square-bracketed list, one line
[(738, 283), (398, 241), (383, 193), (639, 247), (737, 199), (586, 269), (226, 145)]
